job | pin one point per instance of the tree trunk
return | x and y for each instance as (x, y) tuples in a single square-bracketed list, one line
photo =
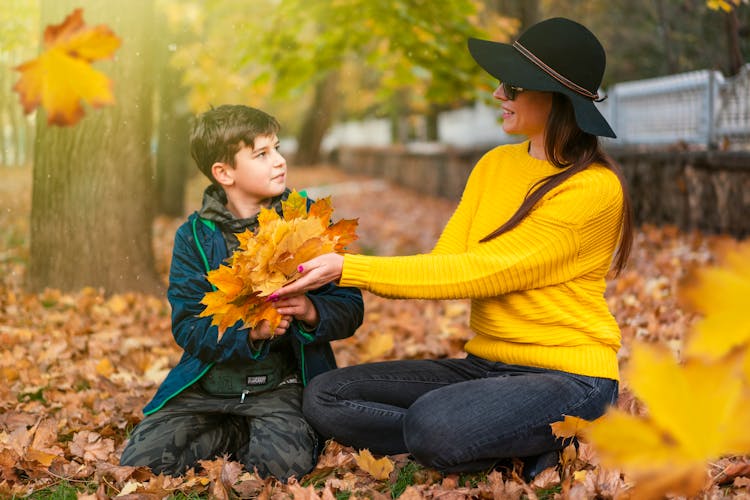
[(529, 13), (172, 161), (733, 36), (92, 196), (173, 146), (666, 36), (6, 108), (432, 128), (317, 121)]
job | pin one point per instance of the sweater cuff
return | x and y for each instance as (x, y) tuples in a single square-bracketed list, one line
[(356, 271)]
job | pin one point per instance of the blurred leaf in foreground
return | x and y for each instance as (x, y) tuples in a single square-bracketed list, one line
[(698, 411), (720, 294), (62, 76)]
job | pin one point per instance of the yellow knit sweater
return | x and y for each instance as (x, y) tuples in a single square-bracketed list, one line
[(537, 291)]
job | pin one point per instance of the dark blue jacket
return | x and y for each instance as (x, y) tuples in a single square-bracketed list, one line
[(340, 311)]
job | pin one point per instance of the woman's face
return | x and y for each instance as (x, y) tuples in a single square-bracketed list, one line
[(526, 114)]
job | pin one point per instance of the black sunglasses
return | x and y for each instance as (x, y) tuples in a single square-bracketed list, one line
[(510, 91)]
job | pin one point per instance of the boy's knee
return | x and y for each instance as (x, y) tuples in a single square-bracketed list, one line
[(282, 451), (158, 460)]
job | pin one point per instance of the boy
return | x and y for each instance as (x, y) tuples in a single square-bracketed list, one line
[(240, 396)]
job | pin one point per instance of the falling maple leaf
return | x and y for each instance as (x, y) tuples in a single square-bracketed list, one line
[(268, 258), (62, 76), (697, 411)]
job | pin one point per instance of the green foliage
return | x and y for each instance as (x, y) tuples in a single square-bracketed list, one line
[(18, 25), (380, 50)]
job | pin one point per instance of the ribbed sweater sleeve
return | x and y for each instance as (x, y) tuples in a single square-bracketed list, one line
[(539, 253)]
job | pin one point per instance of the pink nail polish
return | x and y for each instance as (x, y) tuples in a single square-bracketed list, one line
[(272, 298), (300, 268)]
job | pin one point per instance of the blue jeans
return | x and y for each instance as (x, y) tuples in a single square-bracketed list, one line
[(454, 415)]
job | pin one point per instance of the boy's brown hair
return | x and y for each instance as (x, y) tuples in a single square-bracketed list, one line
[(218, 134)]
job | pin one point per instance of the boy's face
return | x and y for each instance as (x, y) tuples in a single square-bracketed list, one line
[(260, 172)]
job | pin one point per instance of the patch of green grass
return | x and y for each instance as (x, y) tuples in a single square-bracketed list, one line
[(405, 478), (61, 491), (472, 480), (82, 385), (38, 395), (343, 495), (548, 493)]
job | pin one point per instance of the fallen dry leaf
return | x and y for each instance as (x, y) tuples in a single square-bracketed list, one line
[(53, 341), (379, 468)]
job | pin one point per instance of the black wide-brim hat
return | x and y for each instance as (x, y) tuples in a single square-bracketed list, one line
[(555, 55)]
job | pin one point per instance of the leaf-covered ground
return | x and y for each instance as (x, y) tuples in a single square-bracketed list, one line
[(76, 368)]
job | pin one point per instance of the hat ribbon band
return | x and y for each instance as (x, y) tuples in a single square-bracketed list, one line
[(554, 74)]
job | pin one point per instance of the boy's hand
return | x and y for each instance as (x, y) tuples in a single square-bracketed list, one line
[(299, 307), (262, 330)]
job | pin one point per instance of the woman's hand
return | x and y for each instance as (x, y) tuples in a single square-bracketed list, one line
[(314, 273)]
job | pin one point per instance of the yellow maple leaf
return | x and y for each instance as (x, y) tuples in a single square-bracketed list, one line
[(288, 262), (226, 280), (294, 207), (322, 209), (62, 76), (342, 233), (380, 468), (267, 259), (698, 411), (720, 294), (570, 427)]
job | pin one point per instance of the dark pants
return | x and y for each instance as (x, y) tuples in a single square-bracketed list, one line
[(267, 431), (454, 415)]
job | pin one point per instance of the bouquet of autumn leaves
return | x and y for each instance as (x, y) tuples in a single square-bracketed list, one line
[(269, 257)]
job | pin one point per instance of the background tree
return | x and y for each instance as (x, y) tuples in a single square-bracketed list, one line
[(92, 199), (173, 115), (310, 52), (646, 39)]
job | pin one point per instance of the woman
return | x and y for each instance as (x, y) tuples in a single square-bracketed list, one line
[(537, 230)]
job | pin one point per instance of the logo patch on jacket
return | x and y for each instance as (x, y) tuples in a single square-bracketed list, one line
[(257, 379)]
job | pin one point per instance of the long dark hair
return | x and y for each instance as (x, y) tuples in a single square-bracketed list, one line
[(572, 150)]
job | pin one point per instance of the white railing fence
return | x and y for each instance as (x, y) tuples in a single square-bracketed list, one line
[(696, 110)]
